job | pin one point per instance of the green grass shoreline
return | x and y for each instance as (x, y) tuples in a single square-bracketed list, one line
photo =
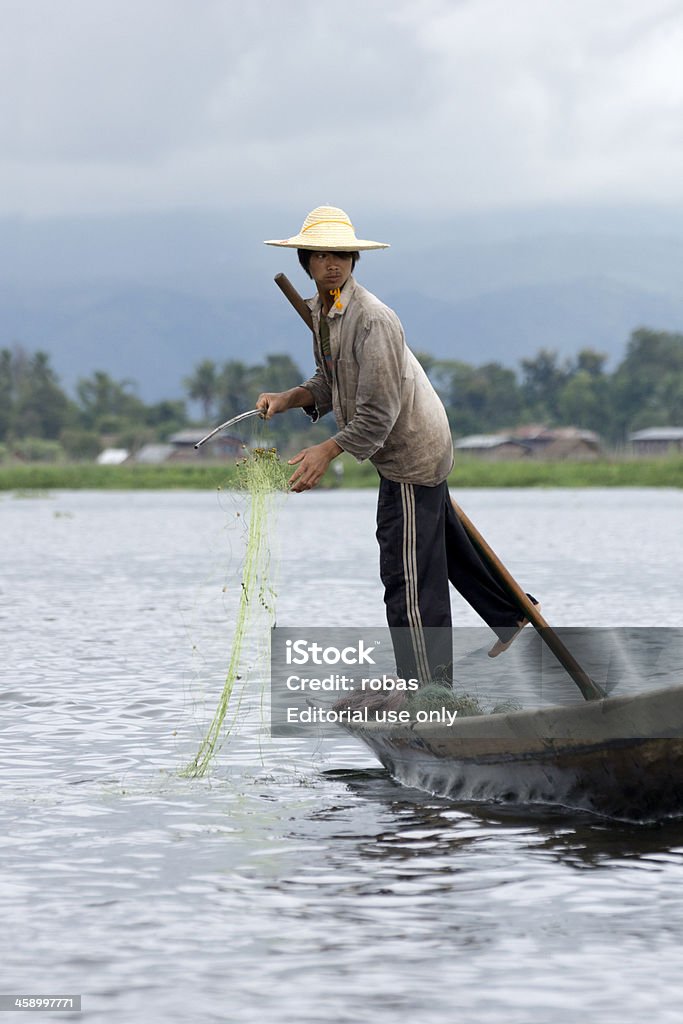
[(662, 472)]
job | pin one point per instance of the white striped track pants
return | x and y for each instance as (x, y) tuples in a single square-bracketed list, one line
[(422, 547)]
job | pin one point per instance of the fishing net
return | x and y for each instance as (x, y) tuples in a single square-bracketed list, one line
[(262, 475), (433, 697)]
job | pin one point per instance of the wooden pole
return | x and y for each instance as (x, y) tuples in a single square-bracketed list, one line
[(589, 688), (290, 293)]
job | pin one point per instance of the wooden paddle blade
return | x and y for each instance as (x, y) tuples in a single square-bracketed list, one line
[(589, 688)]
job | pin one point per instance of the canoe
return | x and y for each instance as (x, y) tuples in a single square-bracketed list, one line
[(620, 757)]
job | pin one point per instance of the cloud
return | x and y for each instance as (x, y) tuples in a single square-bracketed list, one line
[(426, 106), (569, 100)]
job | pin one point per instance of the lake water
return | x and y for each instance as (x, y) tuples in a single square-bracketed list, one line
[(299, 883)]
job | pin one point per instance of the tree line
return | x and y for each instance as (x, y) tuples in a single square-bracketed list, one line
[(645, 389), (38, 419)]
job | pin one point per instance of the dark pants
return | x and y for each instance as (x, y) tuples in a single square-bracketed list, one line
[(422, 546)]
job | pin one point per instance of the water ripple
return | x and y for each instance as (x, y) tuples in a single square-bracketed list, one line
[(299, 883)]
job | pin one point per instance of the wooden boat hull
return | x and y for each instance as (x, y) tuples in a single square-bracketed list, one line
[(621, 757)]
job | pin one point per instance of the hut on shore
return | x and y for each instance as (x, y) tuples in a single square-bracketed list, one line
[(535, 442), (492, 446), (657, 441)]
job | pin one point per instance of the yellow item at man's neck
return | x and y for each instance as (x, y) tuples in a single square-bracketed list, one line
[(336, 295)]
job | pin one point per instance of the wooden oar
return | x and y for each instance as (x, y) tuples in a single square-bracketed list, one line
[(589, 688), (292, 296)]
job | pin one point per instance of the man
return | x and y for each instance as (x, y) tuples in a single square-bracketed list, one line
[(387, 411)]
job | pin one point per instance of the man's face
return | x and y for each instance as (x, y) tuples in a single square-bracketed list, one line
[(330, 269)]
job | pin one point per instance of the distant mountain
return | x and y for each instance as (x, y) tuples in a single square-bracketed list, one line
[(150, 335), (146, 298), (511, 324), (156, 336)]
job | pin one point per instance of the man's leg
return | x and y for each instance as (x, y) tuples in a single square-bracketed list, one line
[(414, 571), (472, 578)]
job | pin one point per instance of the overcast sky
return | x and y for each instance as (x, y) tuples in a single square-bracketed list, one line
[(427, 106)]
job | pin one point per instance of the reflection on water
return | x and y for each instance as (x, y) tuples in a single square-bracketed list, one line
[(570, 835), (299, 883)]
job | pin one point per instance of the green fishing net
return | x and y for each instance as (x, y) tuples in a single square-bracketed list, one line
[(433, 697), (261, 475)]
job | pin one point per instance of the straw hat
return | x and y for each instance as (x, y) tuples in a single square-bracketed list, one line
[(327, 229)]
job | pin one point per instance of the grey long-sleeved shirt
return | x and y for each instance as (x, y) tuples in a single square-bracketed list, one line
[(384, 404)]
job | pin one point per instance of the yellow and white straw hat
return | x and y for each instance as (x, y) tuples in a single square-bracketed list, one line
[(328, 229)]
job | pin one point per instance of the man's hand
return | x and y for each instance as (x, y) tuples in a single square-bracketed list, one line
[(271, 402), (312, 464)]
